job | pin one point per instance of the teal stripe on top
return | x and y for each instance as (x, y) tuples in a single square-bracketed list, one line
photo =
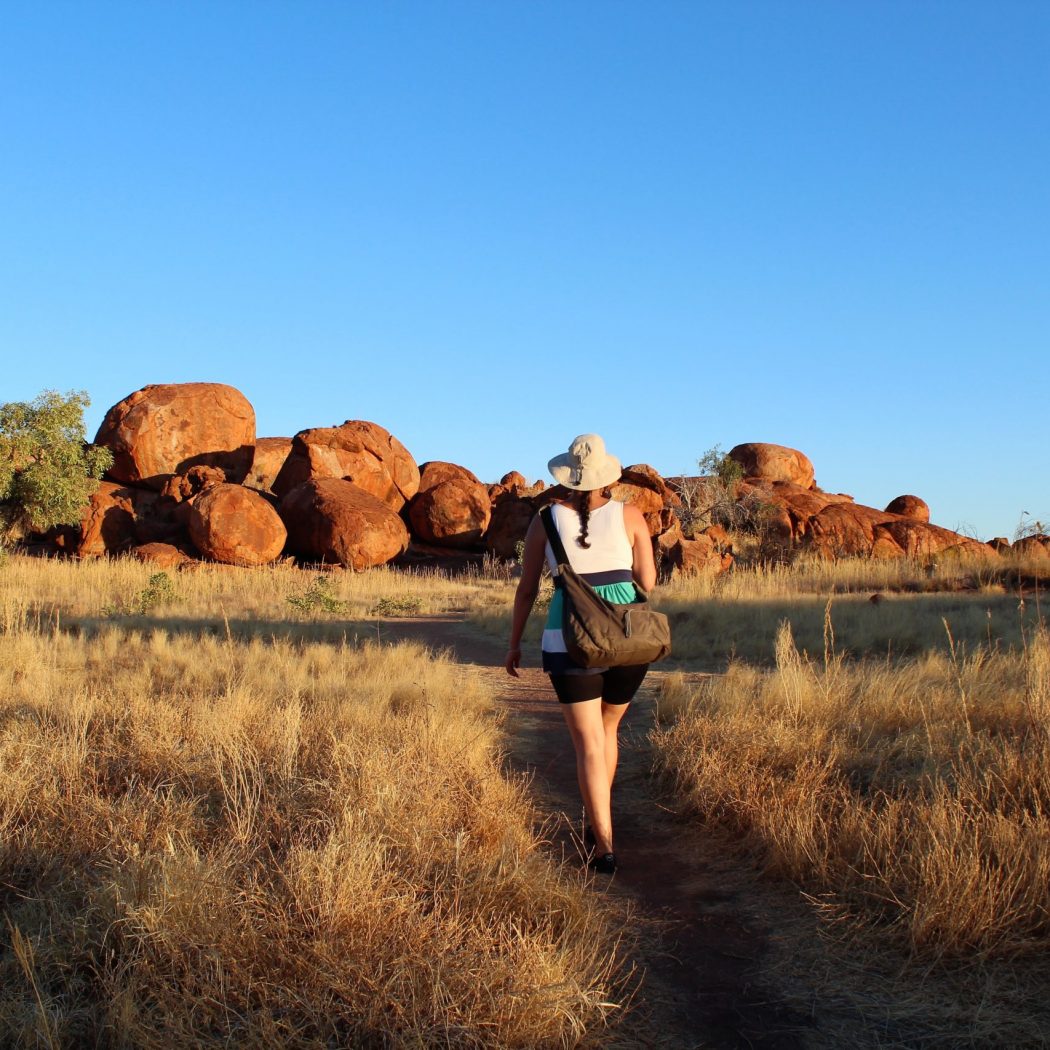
[(620, 593)]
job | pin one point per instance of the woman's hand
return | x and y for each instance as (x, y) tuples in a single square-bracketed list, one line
[(513, 662)]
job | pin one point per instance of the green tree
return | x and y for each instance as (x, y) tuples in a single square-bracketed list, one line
[(47, 469)]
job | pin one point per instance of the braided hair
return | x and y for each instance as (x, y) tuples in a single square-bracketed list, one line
[(581, 503)]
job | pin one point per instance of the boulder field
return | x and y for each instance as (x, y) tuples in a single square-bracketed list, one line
[(191, 481)]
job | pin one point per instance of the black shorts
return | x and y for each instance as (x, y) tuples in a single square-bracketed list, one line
[(617, 685)]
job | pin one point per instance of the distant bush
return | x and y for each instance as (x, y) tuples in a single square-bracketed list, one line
[(721, 467), (159, 591), (318, 597), (47, 469), (404, 606), (714, 498)]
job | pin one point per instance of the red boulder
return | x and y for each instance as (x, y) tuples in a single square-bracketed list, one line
[(678, 556), (643, 487), (514, 484), (790, 506), (181, 487), (167, 428), (357, 451), (909, 507), (844, 530), (335, 521), (113, 519), (452, 508), (163, 555), (510, 520), (919, 539), (1037, 547), (270, 454), (774, 462), (234, 525)]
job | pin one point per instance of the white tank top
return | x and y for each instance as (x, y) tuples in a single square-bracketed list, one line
[(610, 547)]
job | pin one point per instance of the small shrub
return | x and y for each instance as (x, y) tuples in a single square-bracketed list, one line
[(318, 597), (711, 498), (397, 607), (159, 591)]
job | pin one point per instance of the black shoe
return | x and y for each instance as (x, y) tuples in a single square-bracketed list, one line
[(603, 865)]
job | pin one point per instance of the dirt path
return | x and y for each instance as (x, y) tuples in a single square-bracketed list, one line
[(707, 924)]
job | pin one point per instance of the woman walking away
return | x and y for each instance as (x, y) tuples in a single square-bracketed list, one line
[(608, 544)]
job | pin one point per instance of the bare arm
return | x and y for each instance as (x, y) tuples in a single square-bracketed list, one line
[(528, 588), (644, 567)]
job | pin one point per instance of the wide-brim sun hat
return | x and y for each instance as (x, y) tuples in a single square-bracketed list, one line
[(586, 465)]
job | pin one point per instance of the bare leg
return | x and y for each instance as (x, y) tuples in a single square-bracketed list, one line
[(611, 716), (587, 728)]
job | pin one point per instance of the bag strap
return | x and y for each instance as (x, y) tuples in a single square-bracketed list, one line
[(553, 537)]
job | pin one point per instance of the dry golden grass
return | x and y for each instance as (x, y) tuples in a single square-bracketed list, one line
[(229, 818), (208, 839), (809, 574), (736, 616), (108, 587), (911, 799), (713, 632)]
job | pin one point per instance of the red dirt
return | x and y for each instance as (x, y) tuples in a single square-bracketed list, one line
[(705, 918)]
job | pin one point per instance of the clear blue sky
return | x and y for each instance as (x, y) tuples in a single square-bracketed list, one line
[(491, 226)]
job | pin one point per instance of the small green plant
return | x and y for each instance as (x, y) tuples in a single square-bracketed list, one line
[(318, 597), (160, 590), (397, 606)]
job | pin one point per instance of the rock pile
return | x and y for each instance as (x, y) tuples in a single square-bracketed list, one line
[(832, 524), (190, 480)]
